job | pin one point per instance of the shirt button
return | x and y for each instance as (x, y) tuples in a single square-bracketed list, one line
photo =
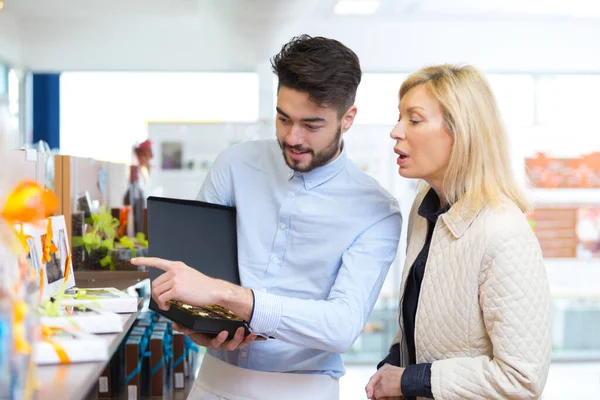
[(244, 354), (283, 226), (275, 259)]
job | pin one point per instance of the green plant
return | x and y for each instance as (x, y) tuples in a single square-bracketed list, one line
[(101, 236), (104, 222), (133, 243)]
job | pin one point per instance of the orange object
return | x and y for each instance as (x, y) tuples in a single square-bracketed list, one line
[(48, 247), (23, 239), (29, 202), (67, 266), (47, 333), (123, 216), (20, 311), (42, 279)]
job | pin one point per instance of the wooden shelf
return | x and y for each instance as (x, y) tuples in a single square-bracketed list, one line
[(117, 279)]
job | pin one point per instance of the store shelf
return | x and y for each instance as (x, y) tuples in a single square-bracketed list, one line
[(117, 279), (74, 381)]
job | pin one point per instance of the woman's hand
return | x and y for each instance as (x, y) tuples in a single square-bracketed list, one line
[(386, 383)]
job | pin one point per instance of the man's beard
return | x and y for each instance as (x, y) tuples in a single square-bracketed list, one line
[(317, 160)]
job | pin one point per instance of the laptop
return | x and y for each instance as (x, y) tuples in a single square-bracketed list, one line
[(203, 236)]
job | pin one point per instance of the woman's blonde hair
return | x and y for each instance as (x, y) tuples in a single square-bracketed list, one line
[(479, 171)]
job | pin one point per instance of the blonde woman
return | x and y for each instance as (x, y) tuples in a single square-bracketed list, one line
[(475, 309)]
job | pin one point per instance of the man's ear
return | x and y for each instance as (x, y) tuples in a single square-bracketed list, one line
[(348, 118)]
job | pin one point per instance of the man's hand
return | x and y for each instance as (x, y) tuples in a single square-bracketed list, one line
[(181, 282), (386, 383), (220, 341), (194, 288)]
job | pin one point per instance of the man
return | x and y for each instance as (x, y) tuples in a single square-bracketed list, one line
[(316, 237)]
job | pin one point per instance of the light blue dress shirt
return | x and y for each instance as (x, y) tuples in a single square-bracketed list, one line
[(315, 248)]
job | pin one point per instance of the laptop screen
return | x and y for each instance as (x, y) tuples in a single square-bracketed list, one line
[(202, 235)]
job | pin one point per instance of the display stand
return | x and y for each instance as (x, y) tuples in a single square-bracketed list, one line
[(76, 381)]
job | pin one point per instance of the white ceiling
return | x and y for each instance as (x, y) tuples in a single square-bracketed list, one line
[(238, 35), (258, 11), (70, 9), (58, 9)]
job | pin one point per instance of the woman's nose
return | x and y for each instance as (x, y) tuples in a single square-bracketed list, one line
[(398, 132)]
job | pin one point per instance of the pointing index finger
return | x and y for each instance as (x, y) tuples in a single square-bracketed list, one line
[(159, 263)]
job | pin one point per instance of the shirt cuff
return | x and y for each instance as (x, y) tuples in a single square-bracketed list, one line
[(267, 313), (393, 358), (253, 303), (416, 381)]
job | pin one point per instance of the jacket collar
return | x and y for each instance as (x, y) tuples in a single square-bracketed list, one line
[(320, 175), (459, 218)]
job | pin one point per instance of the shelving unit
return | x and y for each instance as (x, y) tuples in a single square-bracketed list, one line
[(117, 279), (75, 381)]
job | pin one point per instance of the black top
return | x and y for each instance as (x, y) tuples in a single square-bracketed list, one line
[(429, 209), (416, 378)]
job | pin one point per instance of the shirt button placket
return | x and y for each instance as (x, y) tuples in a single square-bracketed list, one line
[(281, 234)]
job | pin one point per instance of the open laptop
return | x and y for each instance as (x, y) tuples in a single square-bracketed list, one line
[(203, 236)]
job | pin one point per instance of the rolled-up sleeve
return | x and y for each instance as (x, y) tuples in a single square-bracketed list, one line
[(416, 381)]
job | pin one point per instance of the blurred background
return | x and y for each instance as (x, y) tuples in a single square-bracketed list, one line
[(93, 79)]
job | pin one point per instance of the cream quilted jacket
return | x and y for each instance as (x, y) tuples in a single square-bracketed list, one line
[(484, 314)]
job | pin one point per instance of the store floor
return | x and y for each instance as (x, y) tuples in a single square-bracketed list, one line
[(565, 381)]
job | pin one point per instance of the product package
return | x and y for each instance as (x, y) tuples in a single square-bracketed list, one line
[(104, 299), (65, 346), (84, 318)]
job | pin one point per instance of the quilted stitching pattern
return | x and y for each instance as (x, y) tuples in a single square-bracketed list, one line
[(484, 316)]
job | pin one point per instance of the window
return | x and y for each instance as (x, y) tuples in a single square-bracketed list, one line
[(3, 80), (104, 113), (570, 100), (13, 93)]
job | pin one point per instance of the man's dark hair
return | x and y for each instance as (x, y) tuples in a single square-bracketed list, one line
[(324, 68)]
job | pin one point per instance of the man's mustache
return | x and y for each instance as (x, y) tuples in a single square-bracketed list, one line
[(298, 149)]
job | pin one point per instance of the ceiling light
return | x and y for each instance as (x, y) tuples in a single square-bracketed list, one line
[(1, 4), (356, 7)]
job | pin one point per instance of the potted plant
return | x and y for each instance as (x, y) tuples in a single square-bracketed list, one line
[(98, 240)]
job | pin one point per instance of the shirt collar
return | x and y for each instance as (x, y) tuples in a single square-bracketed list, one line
[(322, 174), (430, 207)]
